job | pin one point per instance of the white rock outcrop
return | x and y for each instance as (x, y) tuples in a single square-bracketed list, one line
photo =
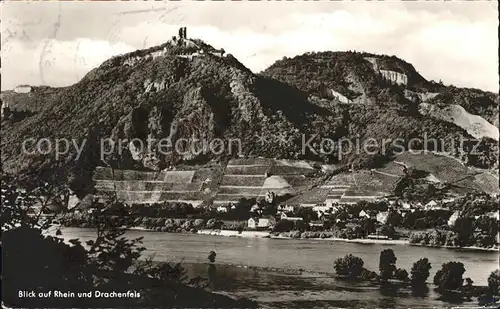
[(475, 125)]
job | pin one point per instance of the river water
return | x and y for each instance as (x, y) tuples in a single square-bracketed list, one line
[(311, 289)]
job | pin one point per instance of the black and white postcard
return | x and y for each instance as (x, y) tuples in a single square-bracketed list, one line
[(250, 154)]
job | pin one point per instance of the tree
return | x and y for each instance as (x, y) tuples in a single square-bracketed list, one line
[(464, 227), (283, 225), (394, 218), (487, 225), (387, 264), (494, 282), (301, 225), (110, 263), (420, 272), (388, 230), (449, 277), (349, 266), (368, 226), (261, 201), (307, 213)]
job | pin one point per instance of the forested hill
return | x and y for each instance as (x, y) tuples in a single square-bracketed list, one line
[(377, 79), (187, 88)]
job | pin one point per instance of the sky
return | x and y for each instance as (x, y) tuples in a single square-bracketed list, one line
[(57, 43)]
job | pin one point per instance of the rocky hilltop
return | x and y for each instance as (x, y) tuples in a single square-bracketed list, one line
[(186, 88)]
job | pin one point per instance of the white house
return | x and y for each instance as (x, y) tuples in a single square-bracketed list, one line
[(73, 201), (406, 205), (22, 89), (382, 217), (263, 222), (432, 205), (254, 223), (363, 214), (323, 208), (222, 209), (285, 208), (284, 216)]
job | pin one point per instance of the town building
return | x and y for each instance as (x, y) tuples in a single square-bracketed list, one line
[(285, 208), (261, 223), (382, 217), (22, 89), (286, 217), (222, 209), (363, 214)]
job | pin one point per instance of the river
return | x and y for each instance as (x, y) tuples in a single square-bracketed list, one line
[(313, 256)]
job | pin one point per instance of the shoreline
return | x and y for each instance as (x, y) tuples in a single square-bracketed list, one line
[(262, 234), (231, 233), (469, 248)]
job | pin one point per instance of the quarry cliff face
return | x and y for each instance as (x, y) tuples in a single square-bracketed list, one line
[(394, 77)]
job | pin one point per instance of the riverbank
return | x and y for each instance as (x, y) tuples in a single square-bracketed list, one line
[(264, 234), (306, 254), (468, 248), (230, 233)]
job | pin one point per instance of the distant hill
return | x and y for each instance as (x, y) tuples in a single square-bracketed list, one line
[(378, 79), (187, 88)]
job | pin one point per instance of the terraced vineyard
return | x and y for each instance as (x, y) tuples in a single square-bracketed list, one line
[(310, 198), (190, 186), (251, 178)]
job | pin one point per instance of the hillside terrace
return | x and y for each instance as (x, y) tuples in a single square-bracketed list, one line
[(254, 177), (152, 187)]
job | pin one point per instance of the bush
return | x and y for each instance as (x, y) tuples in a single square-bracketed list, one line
[(349, 266), (449, 277), (198, 223), (301, 226), (110, 263), (401, 274), (388, 230), (368, 275), (494, 282), (283, 225)]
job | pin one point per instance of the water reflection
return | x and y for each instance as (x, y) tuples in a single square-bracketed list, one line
[(212, 277), (420, 292), (313, 288)]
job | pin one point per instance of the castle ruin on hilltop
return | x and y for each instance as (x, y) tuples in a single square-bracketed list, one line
[(180, 46)]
